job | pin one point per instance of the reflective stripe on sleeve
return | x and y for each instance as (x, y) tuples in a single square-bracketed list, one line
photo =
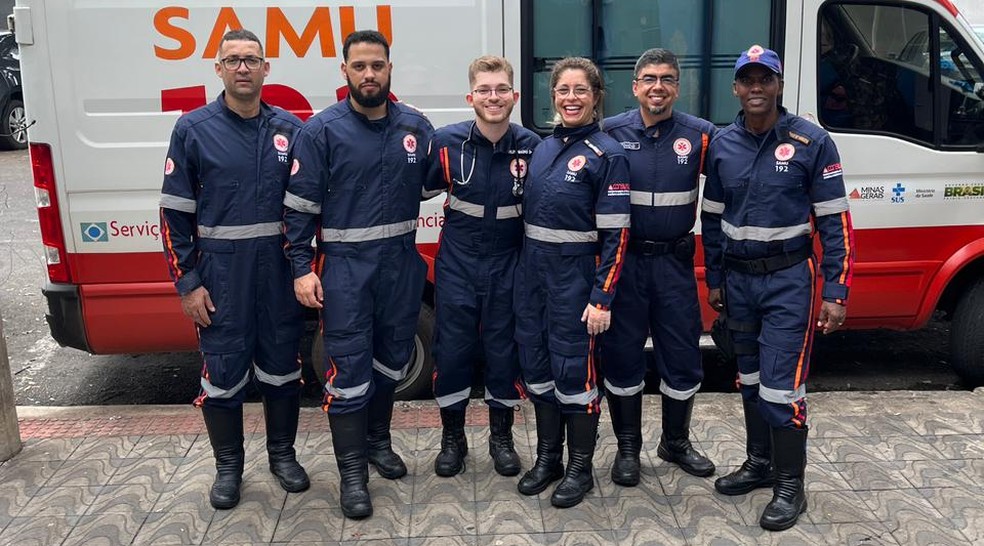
[(300, 204), (834, 206), (764, 234), (235, 233), (662, 199), (612, 221), (712, 207), (548, 235), (182, 204), (374, 233), (624, 391)]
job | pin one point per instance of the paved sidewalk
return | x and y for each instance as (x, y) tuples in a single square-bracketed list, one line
[(884, 468)]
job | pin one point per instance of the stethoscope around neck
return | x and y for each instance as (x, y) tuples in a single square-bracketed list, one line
[(519, 181)]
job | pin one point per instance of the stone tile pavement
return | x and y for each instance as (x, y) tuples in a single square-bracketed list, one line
[(884, 468)]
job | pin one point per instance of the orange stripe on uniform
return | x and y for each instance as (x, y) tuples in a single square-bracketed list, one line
[(616, 269), (446, 163), (847, 266), (172, 256), (704, 139), (808, 335)]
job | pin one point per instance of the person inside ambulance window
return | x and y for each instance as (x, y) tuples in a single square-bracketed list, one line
[(221, 206), (774, 182), (836, 64), (482, 164), (576, 208), (657, 294), (356, 181)]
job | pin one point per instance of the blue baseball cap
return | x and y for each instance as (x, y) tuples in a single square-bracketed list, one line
[(759, 55)]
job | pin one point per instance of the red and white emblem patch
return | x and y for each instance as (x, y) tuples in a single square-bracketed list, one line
[(280, 142), (682, 147), (168, 166), (576, 163), (294, 167), (755, 52), (517, 168), (785, 151), (410, 144)]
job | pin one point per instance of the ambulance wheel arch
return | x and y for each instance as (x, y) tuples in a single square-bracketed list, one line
[(417, 384)]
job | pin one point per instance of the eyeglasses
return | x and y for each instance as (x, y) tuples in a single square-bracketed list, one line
[(579, 92), (749, 81), (485, 92), (649, 81), (233, 63)]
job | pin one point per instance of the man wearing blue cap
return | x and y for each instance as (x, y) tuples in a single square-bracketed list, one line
[(773, 181)]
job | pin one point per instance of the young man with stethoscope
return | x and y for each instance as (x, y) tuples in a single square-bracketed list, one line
[(482, 165)]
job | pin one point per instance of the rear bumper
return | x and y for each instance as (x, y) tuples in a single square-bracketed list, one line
[(64, 315)]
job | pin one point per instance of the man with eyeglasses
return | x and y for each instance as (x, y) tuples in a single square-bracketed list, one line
[(657, 294), (357, 178), (774, 180), (221, 208), (482, 164)]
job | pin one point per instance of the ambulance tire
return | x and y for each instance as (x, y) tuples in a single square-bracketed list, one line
[(417, 384), (966, 341), (13, 134)]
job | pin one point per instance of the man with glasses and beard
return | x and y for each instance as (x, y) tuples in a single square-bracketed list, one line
[(221, 208), (657, 295), (482, 165), (356, 181)]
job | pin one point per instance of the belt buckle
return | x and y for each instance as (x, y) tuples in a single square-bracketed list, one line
[(757, 267), (648, 248)]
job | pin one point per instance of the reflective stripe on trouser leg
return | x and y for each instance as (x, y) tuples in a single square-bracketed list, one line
[(398, 292), (621, 357), (675, 323), (456, 329), (224, 377)]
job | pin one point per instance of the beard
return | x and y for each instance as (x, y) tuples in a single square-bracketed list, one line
[(369, 101), (657, 110)]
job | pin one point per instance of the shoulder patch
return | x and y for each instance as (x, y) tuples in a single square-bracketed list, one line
[(799, 138), (598, 151)]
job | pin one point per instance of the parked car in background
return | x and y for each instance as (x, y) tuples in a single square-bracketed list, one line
[(13, 120)]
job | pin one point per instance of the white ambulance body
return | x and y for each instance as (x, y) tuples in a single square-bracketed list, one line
[(105, 80)]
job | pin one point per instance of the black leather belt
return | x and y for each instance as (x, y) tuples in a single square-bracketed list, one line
[(762, 266)]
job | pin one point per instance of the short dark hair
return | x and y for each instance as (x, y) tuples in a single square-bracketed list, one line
[(657, 55), (240, 34), (365, 37)]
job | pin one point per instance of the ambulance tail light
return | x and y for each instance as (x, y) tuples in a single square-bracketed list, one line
[(46, 197)]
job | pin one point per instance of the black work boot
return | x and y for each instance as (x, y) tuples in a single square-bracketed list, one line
[(788, 496), (756, 471), (348, 437), (627, 424), (454, 446), (582, 434), (674, 444), (549, 465), (501, 447), (281, 429), (381, 454), (225, 432)]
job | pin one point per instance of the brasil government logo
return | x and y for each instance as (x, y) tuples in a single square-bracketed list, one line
[(94, 232)]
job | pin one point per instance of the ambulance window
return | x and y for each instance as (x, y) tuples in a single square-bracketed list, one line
[(706, 35), (897, 70)]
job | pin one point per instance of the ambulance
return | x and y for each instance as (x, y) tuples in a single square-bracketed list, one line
[(898, 83)]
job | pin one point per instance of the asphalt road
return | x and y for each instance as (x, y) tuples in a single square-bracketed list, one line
[(46, 374)]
